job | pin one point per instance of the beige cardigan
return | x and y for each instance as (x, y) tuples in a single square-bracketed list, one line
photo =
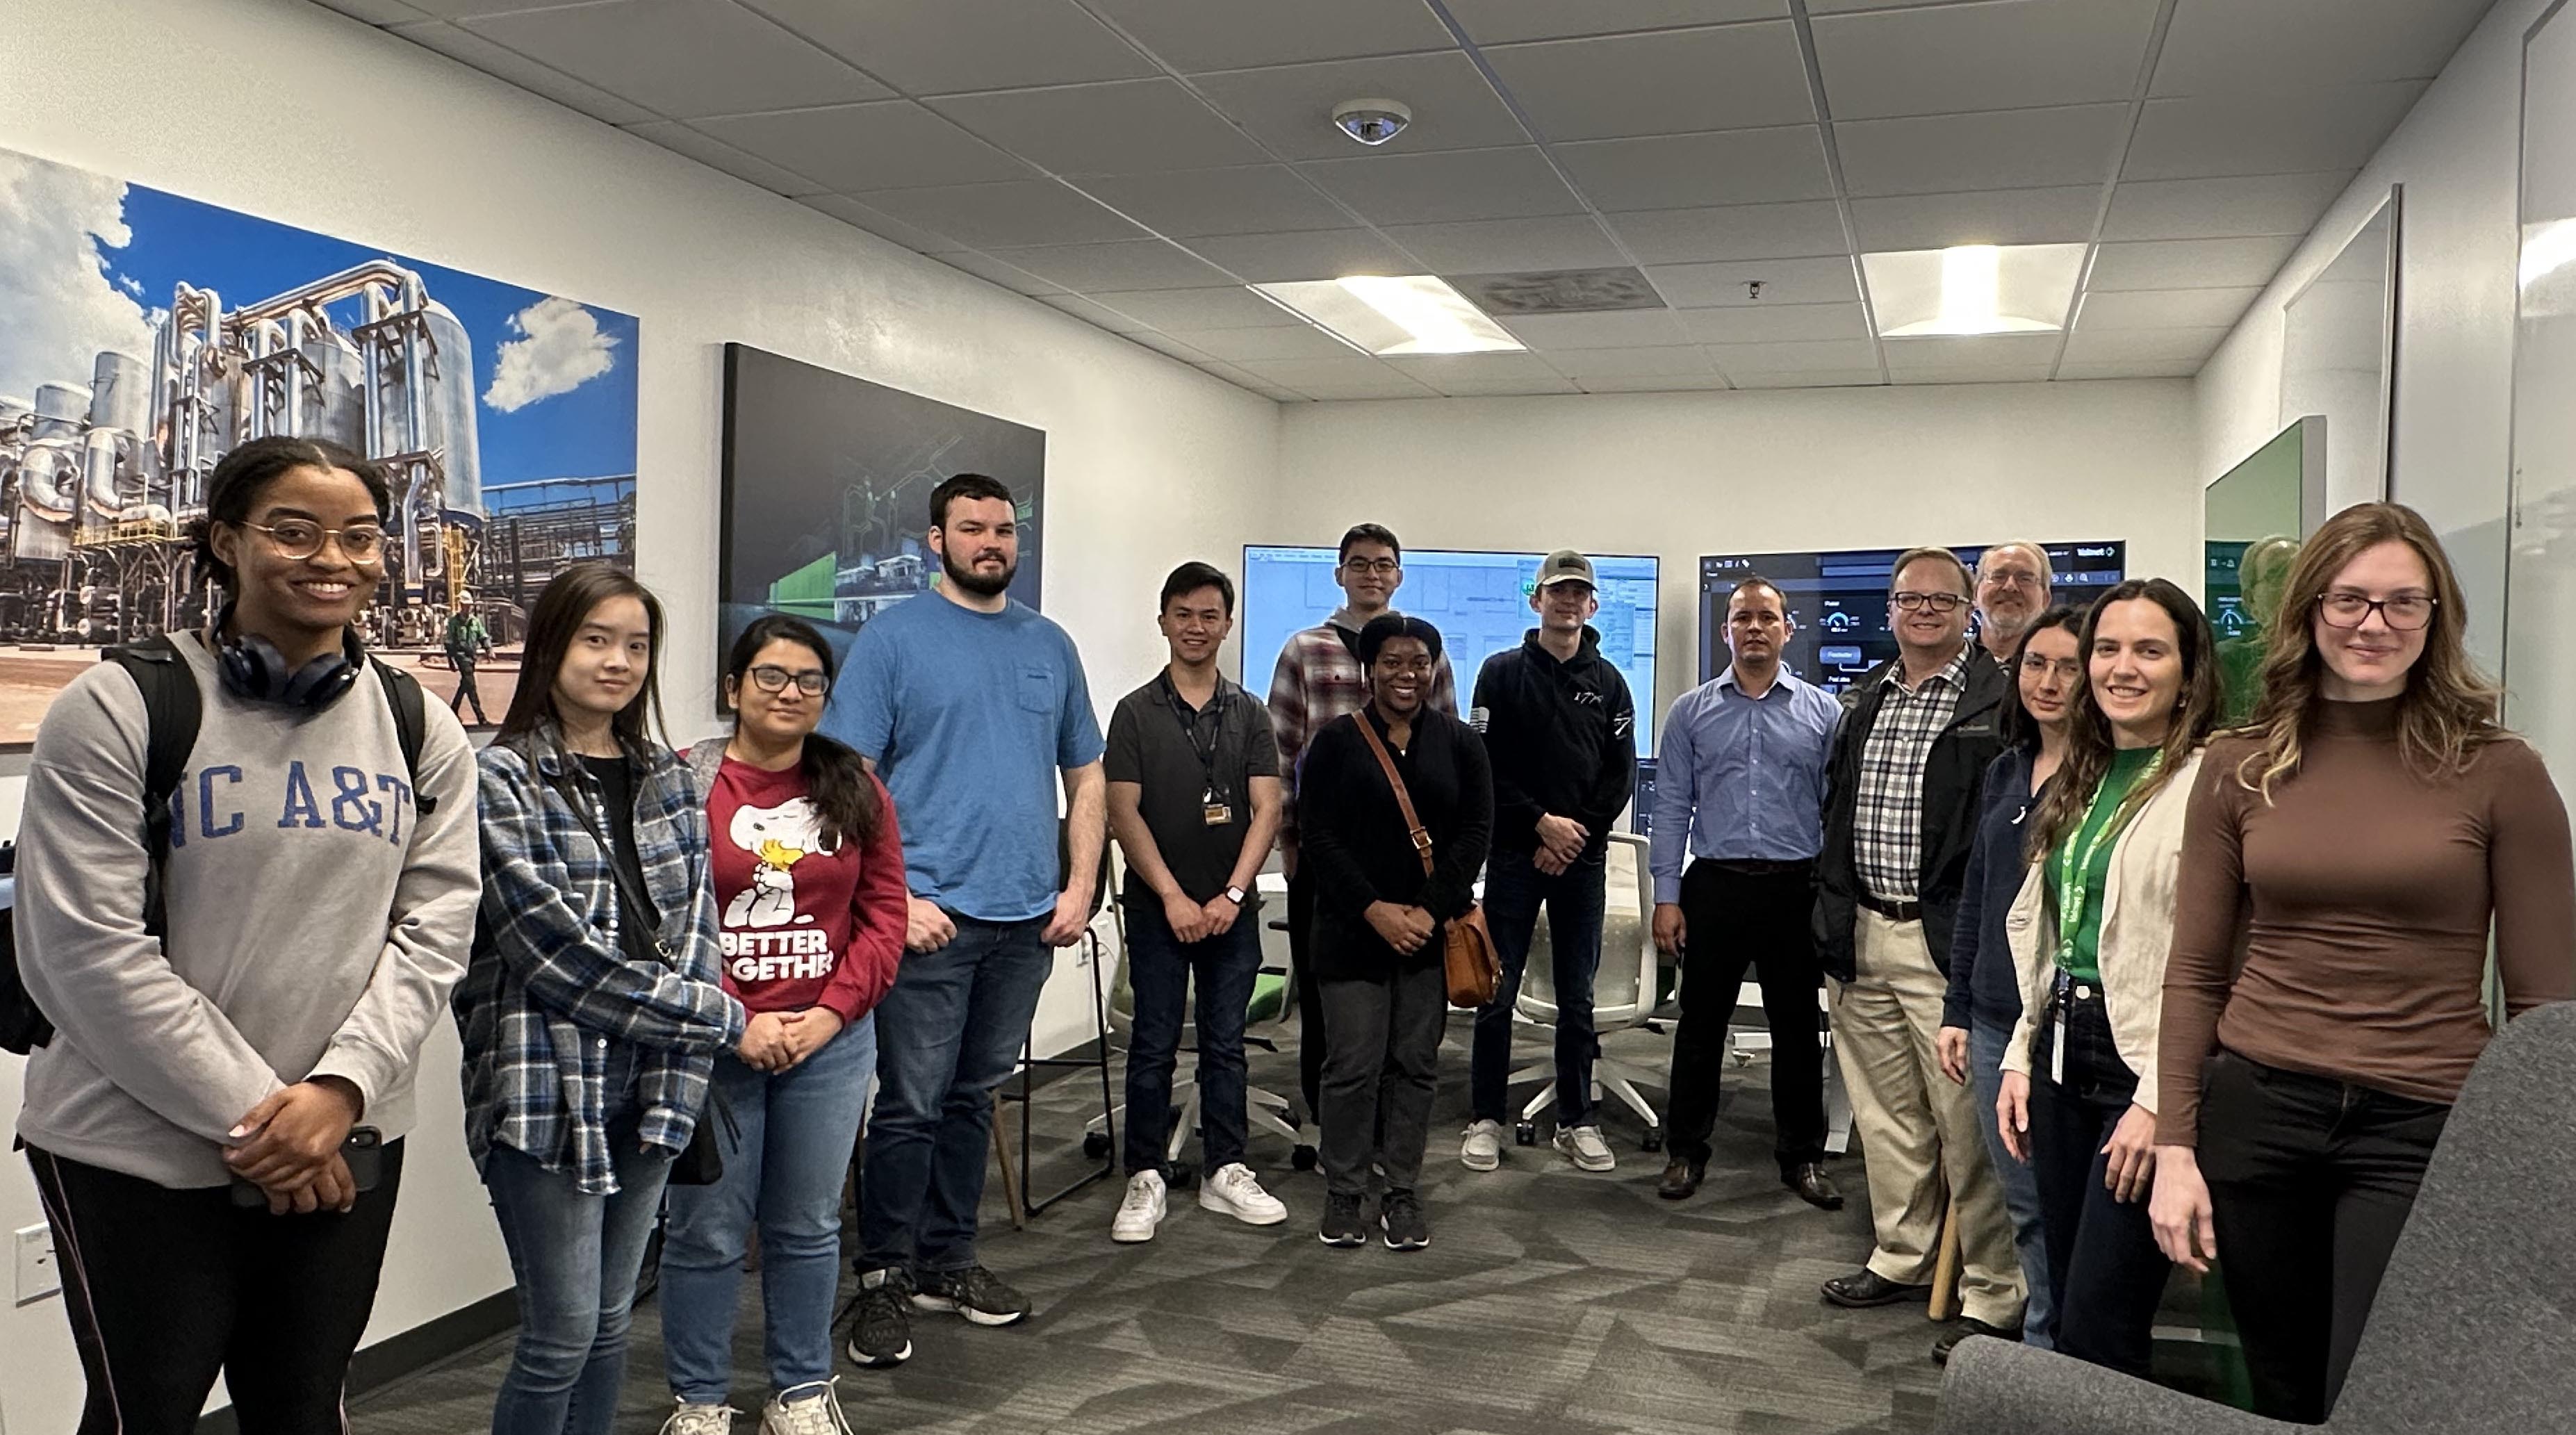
[(2137, 933)]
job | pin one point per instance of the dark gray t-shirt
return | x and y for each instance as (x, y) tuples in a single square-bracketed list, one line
[(1185, 759)]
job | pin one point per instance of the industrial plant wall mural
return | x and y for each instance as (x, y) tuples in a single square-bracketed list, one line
[(143, 335), (827, 483)]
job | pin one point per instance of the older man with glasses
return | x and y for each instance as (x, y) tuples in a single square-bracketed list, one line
[(2013, 580)]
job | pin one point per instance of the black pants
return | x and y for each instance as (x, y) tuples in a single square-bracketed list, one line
[(2311, 1180), (1310, 992), (1380, 1079), (2106, 1274), (1735, 918), (465, 690), (167, 1288)]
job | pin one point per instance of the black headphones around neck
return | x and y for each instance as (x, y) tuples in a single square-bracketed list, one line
[(251, 667)]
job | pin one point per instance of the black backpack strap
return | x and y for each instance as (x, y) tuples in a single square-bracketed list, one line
[(411, 724), (172, 711)]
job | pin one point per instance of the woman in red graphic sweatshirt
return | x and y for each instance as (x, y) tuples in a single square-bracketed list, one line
[(809, 892)]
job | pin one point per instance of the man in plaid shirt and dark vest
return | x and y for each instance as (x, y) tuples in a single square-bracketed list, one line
[(1318, 679), (1900, 811)]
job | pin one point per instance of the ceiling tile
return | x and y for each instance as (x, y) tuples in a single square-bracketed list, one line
[(1127, 265), (1734, 231), (1810, 379), (1774, 323), (2222, 46), (376, 12), (2163, 308), (1504, 388), (2007, 149), (876, 222), (681, 58), (929, 47), (506, 64), (2131, 369), (1795, 358), (1169, 347), (1356, 377), (1233, 375), (2275, 132), (1194, 35), (1980, 351), (1501, 246), (1236, 308), (889, 144), (1250, 199), (467, 9), (1318, 254), (1444, 187), (2190, 263), (1619, 330), (1500, 22), (1125, 127), (2219, 208), (2086, 346), (1838, 7), (991, 270), (1687, 171), (1654, 383), (2061, 214), (1460, 374), (1240, 346), (1289, 108), (1035, 211), (1586, 365), (1783, 281), (1671, 82), (1971, 374), (1092, 313), (716, 154), (1999, 55)]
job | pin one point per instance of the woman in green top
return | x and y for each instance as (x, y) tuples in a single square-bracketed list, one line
[(2089, 934)]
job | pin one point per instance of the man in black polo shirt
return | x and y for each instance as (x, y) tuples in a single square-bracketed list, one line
[(1194, 800)]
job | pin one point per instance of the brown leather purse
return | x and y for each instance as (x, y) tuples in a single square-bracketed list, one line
[(1474, 968)]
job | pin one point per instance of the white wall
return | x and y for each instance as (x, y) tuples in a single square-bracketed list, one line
[(2457, 155), (285, 110), (1681, 475)]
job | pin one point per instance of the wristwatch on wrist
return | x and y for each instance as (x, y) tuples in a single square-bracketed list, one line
[(1234, 895)]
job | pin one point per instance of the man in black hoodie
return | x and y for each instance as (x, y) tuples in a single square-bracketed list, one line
[(1557, 721)]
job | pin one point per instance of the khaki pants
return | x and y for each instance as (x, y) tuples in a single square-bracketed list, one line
[(1918, 1128)]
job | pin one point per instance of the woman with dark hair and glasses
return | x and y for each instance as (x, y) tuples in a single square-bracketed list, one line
[(217, 1124), (2361, 836), (810, 899), (594, 1009), (1379, 920)]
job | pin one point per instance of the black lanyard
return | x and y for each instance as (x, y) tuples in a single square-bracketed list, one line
[(1189, 721)]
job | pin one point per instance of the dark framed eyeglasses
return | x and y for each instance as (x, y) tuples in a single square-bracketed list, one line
[(770, 678), (1937, 602), (1378, 566), (2406, 612), (300, 539)]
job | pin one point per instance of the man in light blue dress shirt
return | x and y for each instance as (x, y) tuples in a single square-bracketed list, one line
[(1740, 787)]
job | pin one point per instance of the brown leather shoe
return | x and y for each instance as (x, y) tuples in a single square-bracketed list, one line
[(1815, 1187), (1681, 1179)]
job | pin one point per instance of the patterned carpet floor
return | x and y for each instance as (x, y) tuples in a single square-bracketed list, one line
[(1551, 1302)]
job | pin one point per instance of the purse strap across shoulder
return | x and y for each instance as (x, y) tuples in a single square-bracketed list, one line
[(1403, 800)]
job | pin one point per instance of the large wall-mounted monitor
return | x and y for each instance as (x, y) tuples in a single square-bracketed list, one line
[(1838, 601), (1478, 600)]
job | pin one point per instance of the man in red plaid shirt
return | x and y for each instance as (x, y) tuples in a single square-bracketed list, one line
[(1319, 679)]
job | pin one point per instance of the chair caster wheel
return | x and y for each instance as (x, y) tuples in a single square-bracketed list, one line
[(1303, 1158), (1525, 1134), (1653, 1139), (1095, 1145)]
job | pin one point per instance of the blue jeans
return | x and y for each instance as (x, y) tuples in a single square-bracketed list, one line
[(1986, 1045), (1514, 889), (1159, 970), (575, 1257), (783, 1173), (947, 1034)]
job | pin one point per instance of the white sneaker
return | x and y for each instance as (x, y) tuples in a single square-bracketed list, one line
[(1141, 1212), (690, 1419), (806, 1410), (1237, 1192), (1584, 1147), (1483, 1148)]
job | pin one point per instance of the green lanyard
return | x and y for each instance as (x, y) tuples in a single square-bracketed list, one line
[(2075, 874)]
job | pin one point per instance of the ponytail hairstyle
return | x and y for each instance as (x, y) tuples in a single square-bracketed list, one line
[(2088, 732), (843, 792)]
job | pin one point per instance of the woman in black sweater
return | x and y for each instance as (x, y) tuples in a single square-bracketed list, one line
[(1379, 921)]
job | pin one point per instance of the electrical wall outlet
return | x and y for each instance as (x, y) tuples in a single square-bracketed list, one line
[(38, 1276)]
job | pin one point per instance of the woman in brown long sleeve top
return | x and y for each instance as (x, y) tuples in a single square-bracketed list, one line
[(2357, 837)]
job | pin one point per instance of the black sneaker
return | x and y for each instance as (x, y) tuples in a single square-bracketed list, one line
[(975, 1293), (1406, 1227), (1342, 1223), (881, 1333)]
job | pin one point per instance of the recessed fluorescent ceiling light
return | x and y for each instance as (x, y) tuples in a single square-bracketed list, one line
[(1973, 289), (1417, 314)]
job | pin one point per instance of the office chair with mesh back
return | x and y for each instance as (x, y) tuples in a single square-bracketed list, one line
[(1624, 994)]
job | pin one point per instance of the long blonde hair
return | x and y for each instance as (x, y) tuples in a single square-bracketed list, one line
[(2449, 709), (2089, 742)]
